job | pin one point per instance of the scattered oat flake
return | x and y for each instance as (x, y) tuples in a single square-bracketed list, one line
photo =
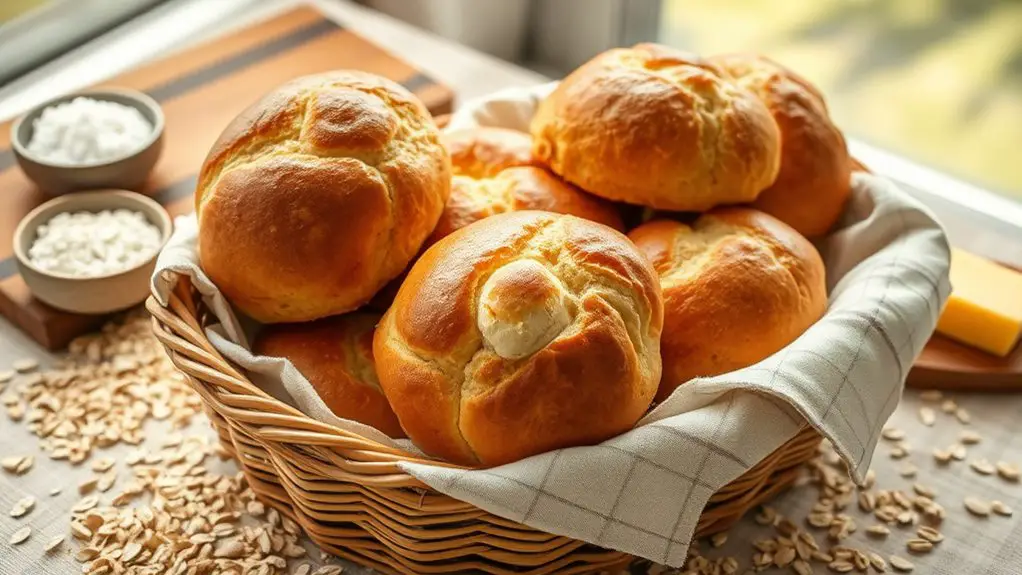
[(962, 416), (106, 481), (878, 530), (131, 551), (11, 463), (328, 570), (931, 395), (1008, 471), (717, 540), (88, 486), (20, 535), (876, 561), (908, 470), (930, 534), (54, 543), (927, 416), (784, 556), (55, 491), (982, 466), (969, 437), (766, 516), (303, 569), (977, 506), (102, 464), (919, 545), (893, 433), (958, 452), (25, 365), (901, 564), (6, 376), (923, 490), (948, 406), (80, 531), (86, 504), (841, 566), (1000, 508), (870, 480)]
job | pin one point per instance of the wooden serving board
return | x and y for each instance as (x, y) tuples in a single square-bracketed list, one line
[(948, 365), (201, 90), (951, 366)]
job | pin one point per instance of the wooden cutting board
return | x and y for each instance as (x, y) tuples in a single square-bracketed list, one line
[(200, 90), (951, 366)]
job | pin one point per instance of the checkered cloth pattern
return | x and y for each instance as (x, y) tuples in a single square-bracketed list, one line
[(643, 492)]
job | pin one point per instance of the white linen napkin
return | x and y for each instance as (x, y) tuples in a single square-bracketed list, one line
[(643, 492)]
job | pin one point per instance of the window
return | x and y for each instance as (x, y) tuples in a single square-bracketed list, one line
[(936, 81)]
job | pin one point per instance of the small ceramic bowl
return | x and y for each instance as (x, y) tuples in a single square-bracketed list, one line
[(128, 172), (89, 295)]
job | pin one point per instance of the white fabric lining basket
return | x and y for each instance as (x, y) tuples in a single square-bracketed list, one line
[(642, 492)]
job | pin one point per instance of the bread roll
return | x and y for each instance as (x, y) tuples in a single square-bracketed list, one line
[(317, 195), (494, 173), (524, 332), (738, 286), (336, 356), (815, 176), (655, 126)]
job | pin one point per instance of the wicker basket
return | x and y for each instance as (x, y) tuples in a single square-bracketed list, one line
[(352, 498)]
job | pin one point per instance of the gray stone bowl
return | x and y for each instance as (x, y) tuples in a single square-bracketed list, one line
[(96, 294), (128, 173)]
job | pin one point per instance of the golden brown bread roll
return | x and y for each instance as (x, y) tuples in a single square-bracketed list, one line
[(815, 176), (738, 286), (317, 195), (655, 126), (336, 356), (494, 173), (485, 152), (524, 332)]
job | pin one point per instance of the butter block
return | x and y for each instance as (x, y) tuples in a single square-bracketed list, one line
[(985, 307)]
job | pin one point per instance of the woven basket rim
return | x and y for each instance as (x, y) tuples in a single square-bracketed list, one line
[(170, 313)]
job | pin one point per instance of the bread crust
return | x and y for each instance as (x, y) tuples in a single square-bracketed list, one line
[(739, 285), (494, 173), (336, 356), (317, 195), (814, 180), (460, 400), (655, 126)]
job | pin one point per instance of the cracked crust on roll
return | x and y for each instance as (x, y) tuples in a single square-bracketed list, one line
[(654, 126), (317, 195), (814, 181), (336, 356), (494, 173), (739, 285), (525, 332)]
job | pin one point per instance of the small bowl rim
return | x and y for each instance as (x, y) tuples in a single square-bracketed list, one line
[(165, 224), (21, 148)]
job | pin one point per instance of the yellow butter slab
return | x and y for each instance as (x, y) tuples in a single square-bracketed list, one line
[(985, 307)]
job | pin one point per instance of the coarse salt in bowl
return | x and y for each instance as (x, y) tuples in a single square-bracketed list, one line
[(86, 131), (98, 139)]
